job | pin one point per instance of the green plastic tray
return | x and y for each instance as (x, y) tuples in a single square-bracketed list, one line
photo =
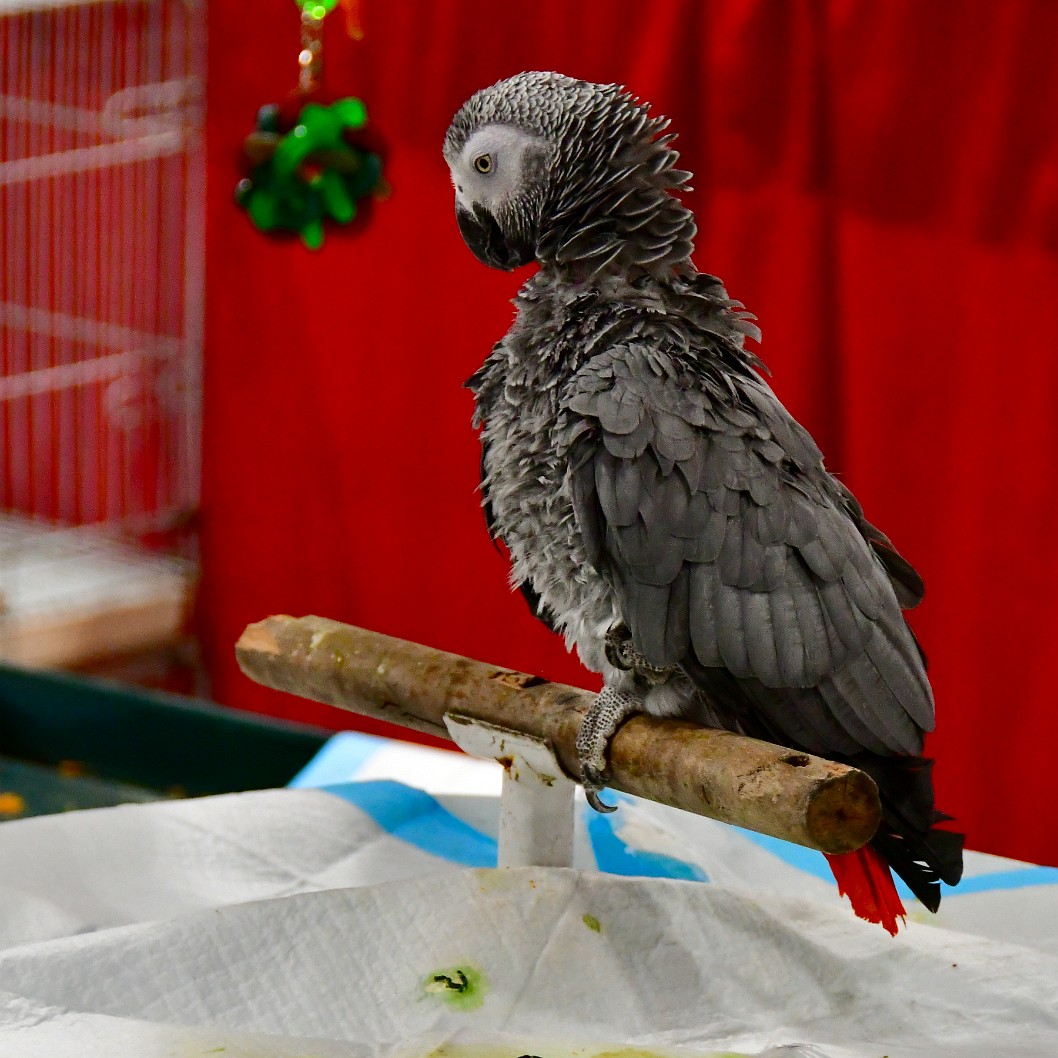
[(68, 742)]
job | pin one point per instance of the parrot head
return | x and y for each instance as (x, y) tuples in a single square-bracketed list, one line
[(573, 174)]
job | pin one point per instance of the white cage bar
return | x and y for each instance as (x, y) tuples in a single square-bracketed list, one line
[(101, 287)]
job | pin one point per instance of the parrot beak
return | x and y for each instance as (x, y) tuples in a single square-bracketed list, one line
[(487, 242)]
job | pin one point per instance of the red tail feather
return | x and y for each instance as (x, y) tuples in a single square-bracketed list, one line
[(864, 877)]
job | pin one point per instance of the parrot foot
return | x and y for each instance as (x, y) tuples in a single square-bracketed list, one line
[(610, 709), (622, 654)]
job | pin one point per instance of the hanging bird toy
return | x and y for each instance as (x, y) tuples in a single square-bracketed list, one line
[(305, 163)]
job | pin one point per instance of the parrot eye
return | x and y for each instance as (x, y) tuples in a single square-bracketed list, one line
[(483, 163)]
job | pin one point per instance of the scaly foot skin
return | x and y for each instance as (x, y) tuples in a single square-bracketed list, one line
[(622, 654), (600, 724)]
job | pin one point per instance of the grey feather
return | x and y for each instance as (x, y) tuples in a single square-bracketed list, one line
[(622, 413), (706, 546), (760, 638), (751, 573), (704, 619), (872, 702), (836, 692), (730, 633), (648, 629), (818, 559), (789, 635), (774, 571), (869, 595), (630, 445), (773, 521), (677, 623), (730, 559), (619, 501), (848, 622), (713, 465)]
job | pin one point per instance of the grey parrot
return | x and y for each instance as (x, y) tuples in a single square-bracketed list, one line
[(663, 511)]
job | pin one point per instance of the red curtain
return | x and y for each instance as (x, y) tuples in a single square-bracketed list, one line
[(878, 182)]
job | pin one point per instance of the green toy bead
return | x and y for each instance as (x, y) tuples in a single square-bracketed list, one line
[(312, 234), (263, 211), (336, 199), (366, 178), (268, 118), (317, 8), (352, 112), (291, 151), (322, 124)]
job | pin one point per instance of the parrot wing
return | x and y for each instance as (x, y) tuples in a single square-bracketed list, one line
[(906, 582), (733, 553)]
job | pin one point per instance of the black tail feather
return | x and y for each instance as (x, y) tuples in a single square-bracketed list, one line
[(920, 854)]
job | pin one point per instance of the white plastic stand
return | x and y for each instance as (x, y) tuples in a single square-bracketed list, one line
[(536, 807)]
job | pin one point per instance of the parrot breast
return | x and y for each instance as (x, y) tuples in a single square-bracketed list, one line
[(526, 479), (529, 434)]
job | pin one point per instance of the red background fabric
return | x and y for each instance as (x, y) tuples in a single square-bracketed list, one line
[(878, 182)]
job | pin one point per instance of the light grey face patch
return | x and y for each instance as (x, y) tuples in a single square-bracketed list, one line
[(491, 171)]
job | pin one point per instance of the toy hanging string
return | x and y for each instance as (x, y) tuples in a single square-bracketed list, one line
[(309, 169)]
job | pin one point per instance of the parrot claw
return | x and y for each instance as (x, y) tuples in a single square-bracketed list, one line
[(593, 783), (610, 709)]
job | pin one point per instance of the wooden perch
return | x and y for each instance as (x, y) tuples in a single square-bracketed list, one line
[(776, 791)]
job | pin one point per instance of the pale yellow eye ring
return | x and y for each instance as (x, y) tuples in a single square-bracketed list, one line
[(483, 163)]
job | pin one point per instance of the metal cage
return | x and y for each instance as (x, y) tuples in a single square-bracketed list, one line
[(101, 288)]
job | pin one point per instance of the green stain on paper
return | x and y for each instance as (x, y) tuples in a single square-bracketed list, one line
[(627, 1052), (462, 987), (592, 923), (553, 1049), (635, 1052)]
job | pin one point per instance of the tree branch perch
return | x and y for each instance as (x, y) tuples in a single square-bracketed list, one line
[(787, 794)]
